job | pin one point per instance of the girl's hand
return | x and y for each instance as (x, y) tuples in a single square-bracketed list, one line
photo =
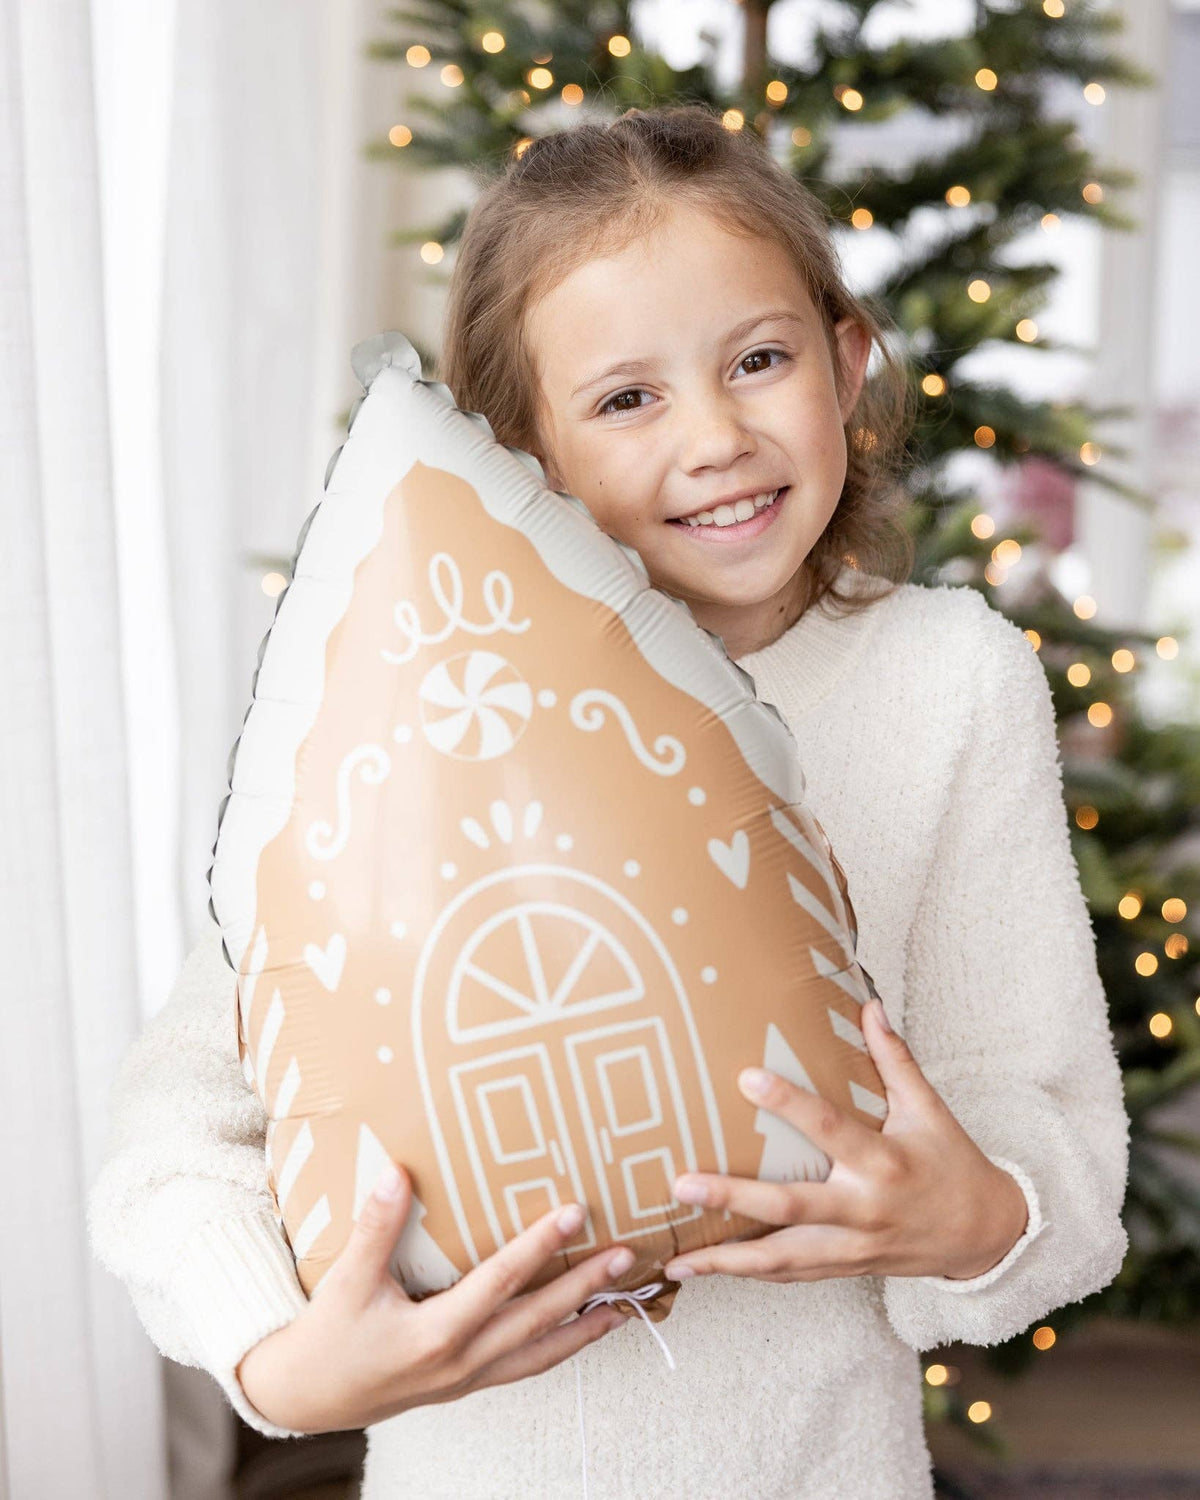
[(918, 1199), (362, 1350)]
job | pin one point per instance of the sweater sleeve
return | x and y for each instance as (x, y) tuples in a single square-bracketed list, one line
[(181, 1210), (1006, 1014)]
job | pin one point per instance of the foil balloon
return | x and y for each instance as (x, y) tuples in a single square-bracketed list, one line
[(515, 872)]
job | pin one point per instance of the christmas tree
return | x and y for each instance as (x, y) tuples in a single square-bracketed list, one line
[(511, 71)]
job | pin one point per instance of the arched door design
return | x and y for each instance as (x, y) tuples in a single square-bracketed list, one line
[(569, 1065)]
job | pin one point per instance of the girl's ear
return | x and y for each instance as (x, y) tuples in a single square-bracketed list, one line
[(854, 350)]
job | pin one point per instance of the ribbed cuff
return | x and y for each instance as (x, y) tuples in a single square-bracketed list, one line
[(1032, 1229), (235, 1283)]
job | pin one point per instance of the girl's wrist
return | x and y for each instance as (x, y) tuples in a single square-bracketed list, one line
[(1005, 1220)]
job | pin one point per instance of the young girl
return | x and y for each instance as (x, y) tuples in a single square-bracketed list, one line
[(656, 310)]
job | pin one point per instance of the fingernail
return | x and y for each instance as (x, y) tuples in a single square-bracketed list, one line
[(619, 1262), (883, 1019), (571, 1219), (679, 1273), (754, 1082), (691, 1192), (387, 1188)]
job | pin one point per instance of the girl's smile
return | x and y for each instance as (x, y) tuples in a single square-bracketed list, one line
[(734, 522)]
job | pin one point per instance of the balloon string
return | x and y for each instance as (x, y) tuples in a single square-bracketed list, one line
[(636, 1298)]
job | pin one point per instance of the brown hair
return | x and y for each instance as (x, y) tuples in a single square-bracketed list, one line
[(592, 189)]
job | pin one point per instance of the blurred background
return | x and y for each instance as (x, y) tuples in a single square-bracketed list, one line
[(205, 203)]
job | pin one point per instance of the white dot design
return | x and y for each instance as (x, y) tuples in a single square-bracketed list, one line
[(383, 996), (679, 916), (631, 868), (708, 974), (385, 1054), (316, 890), (697, 796)]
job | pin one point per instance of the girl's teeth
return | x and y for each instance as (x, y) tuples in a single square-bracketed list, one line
[(732, 515)]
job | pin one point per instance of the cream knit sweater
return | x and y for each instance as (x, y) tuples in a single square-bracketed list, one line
[(926, 735)]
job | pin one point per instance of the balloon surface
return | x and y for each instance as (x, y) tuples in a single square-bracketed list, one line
[(515, 872)]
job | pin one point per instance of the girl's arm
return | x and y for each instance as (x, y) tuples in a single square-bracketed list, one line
[(181, 1210), (1007, 1017)]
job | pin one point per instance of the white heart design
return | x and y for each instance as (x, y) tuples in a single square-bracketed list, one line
[(327, 963), (733, 858)]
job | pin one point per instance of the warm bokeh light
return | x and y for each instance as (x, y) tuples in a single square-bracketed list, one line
[(273, 584), (979, 1411), (1094, 93), (1051, 223), (986, 79), (1167, 647), (933, 385), (1086, 816), (520, 147), (1044, 1337), (452, 75), (1079, 674), (733, 119), (1084, 606), (801, 136), (851, 99), (1146, 963), (978, 290), (1089, 453), (1054, 9), (1160, 1024), (1092, 192), (1027, 330), (936, 1375), (994, 573), (1034, 639), (431, 252), (539, 78), (1007, 553), (1123, 660), (492, 41), (984, 436), (777, 91), (620, 46), (1100, 715), (958, 196), (862, 218), (399, 135), (983, 526), (1130, 905), (417, 56), (1173, 909), (572, 94), (1176, 946)]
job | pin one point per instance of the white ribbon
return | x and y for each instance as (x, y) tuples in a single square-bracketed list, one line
[(635, 1298)]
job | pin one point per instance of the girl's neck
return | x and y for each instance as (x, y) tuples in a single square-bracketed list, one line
[(748, 628)]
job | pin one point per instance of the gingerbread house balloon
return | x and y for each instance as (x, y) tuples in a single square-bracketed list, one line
[(515, 871)]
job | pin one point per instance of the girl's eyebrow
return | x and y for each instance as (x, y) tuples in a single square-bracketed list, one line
[(640, 366)]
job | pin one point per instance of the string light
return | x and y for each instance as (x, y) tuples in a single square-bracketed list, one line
[(978, 290), (452, 75), (492, 41), (1173, 909), (1176, 946), (1034, 639), (1084, 606), (983, 526), (934, 385), (1146, 963), (1051, 223), (1089, 453), (994, 574), (1130, 905), (851, 99), (1087, 817), (986, 79), (1079, 674), (417, 56), (1054, 9), (733, 119), (1196, 1005), (521, 146), (539, 78), (862, 218), (431, 252), (399, 135), (1160, 1023), (1123, 660), (1092, 192), (1094, 93), (936, 1375), (572, 94), (979, 1411), (1007, 553), (619, 46), (1027, 330), (801, 136), (1167, 647), (1100, 715), (1044, 1337), (958, 196), (984, 436), (273, 584), (777, 91)]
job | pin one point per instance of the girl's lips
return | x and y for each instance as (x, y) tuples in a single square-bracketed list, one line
[(743, 530)]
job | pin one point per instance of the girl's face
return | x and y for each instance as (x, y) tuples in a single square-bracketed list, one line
[(677, 378)]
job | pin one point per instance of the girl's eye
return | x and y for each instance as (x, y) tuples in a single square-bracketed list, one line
[(608, 409)]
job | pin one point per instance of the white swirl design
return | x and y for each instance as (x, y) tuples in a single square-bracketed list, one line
[(587, 712), (372, 764), (497, 592)]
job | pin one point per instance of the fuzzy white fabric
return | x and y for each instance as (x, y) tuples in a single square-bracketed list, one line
[(927, 739)]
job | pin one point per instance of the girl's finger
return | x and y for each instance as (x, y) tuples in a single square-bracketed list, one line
[(804, 1254), (551, 1349), (781, 1203), (838, 1134)]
